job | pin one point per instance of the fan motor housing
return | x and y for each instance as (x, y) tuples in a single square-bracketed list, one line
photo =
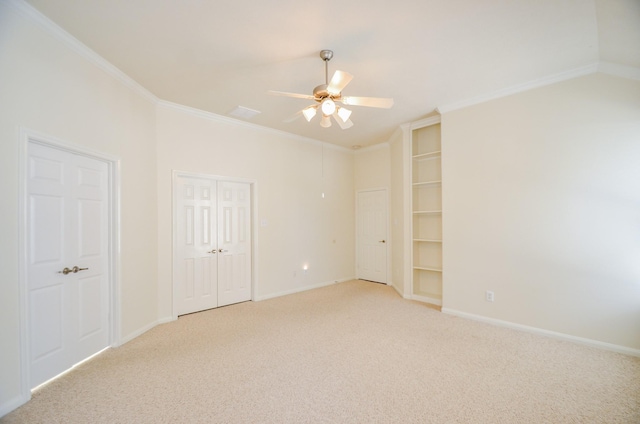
[(320, 93)]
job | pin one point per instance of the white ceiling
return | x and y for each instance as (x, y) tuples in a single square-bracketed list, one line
[(215, 55)]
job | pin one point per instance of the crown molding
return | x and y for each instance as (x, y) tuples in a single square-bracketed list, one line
[(519, 88), (210, 116), (425, 122), (35, 16), (617, 70), (372, 147)]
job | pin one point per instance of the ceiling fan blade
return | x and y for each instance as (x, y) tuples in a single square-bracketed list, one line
[(293, 117), (381, 102), (295, 95), (308, 112), (339, 81), (343, 125)]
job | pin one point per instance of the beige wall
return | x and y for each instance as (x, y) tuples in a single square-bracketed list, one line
[(47, 87), (303, 228), (541, 199), (372, 168), (397, 207)]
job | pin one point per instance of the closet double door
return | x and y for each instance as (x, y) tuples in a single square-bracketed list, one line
[(212, 257)]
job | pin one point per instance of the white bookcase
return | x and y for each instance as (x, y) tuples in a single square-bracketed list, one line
[(426, 207)]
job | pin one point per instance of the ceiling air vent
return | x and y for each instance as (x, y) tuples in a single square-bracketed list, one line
[(243, 112)]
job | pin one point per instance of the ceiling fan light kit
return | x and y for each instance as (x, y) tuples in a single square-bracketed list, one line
[(326, 95), (309, 112), (328, 107)]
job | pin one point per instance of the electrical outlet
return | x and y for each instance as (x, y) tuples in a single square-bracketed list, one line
[(489, 296)]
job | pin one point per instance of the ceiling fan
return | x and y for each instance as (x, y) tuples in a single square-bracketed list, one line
[(328, 94)]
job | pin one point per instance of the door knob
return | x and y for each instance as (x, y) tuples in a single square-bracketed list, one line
[(382, 241), (214, 251), (75, 269), (220, 250)]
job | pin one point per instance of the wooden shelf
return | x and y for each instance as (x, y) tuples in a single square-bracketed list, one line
[(427, 183), (427, 296), (426, 200), (430, 155), (424, 268)]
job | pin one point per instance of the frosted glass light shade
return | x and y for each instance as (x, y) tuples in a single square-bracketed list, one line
[(328, 107), (309, 113), (344, 114)]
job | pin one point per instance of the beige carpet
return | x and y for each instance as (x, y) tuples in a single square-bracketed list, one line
[(353, 352)]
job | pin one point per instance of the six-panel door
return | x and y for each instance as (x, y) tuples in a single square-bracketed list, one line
[(67, 227)]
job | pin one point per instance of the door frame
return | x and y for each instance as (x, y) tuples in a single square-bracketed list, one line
[(389, 241), (28, 136), (253, 185)]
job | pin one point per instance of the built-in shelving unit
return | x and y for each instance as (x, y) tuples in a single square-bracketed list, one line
[(426, 204)]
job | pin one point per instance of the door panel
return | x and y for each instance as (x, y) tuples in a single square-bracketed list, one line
[(67, 226), (89, 250), (195, 257), (372, 235), (235, 242)]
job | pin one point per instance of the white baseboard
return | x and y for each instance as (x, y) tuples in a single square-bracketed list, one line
[(12, 404), (166, 320), (301, 289), (136, 333), (399, 291), (562, 336)]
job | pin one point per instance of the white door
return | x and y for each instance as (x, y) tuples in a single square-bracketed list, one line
[(195, 261), (67, 260), (212, 259), (372, 235), (234, 242)]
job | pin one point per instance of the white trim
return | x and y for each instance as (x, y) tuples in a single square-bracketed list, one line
[(80, 48), (535, 330), (301, 289), (253, 186), (137, 333), (387, 242), (407, 194), (619, 70), (371, 148), (519, 88), (27, 136), (392, 284), (166, 320), (12, 404), (425, 122), (427, 299), (210, 116)]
